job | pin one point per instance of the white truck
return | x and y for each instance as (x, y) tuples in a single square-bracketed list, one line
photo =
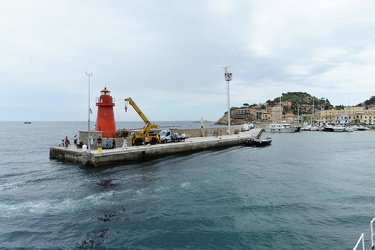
[(165, 136), (247, 126)]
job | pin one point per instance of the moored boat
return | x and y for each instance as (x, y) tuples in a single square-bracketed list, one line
[(282, 128), (362, 128), (348, 129), (328, 128), (338, 128), (314, 128), (257, 142)]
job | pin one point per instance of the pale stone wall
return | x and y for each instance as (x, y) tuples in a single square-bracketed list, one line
[(95, 135), (189, 132), (204, 132)]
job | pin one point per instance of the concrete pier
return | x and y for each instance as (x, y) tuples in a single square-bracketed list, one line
[(143, 153)]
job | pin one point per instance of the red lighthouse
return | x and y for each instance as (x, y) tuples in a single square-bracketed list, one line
[(105, 120)]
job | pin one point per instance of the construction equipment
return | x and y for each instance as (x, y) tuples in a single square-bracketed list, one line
[(145, 135)]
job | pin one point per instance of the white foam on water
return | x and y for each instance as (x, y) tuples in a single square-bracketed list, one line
[(54, 206), (10, 186), (185, 184)]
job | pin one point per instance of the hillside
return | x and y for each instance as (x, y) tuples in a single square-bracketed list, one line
[(301, 99)]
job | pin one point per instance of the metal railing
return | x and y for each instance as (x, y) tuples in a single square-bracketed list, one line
[(362, 238), (372, 233)]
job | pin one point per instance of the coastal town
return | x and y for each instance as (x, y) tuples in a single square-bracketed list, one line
[(309, 111)]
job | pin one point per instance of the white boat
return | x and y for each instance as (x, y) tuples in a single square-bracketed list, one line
[(348, 129), (354, 127), (338, 128), (328, 128), (362, 128), (314, 128), (281, 128), (306, 128)]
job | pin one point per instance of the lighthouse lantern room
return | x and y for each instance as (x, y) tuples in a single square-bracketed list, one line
[(105, 120)]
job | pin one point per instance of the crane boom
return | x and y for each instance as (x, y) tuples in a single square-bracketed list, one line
[(137, 109), (146, 129)]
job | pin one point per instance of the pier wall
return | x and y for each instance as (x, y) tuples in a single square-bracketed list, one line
[(203, 132), (143, 153), (189, 132)]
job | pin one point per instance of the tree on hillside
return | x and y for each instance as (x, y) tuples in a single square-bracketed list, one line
[(370, 101), (339, 107)]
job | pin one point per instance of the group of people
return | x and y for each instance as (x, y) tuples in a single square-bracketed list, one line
[(108, 145), (65, 142)]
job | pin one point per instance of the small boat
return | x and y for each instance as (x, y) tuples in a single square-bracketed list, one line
[(27, 122), (314, 128), (348, 129), (328, 128), (362, 128), (338, 128), (256, 142)]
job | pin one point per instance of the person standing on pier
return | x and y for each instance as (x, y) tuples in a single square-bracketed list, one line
[(75, 138), (99, 140), (67, 142)]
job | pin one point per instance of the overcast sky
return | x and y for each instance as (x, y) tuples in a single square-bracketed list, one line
[(168, 55)]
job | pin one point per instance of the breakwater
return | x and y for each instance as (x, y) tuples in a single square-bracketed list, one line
[(120, 155)]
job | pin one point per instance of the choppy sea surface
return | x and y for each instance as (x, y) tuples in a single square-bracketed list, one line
[(308, 190)]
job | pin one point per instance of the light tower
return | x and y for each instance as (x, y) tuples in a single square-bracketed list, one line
[(228, 77), (105, 120)]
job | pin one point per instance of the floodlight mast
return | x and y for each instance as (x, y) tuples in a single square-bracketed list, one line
[(228, 77)]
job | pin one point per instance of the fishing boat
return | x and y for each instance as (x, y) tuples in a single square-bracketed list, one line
[(257, 142)]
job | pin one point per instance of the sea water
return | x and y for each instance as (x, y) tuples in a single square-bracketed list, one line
[(308, 190)]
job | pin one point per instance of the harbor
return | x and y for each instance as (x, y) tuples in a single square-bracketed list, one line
[(310, 186), (124, 146), (130, 154)]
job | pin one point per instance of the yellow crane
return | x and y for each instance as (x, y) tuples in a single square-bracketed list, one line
[(145, 135)]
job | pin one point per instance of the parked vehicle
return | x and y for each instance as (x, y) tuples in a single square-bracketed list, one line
[(247, 126), (165, 136)]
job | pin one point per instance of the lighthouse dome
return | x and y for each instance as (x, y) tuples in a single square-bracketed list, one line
[(105, 91)]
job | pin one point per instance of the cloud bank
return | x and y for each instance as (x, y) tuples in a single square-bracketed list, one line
[(169, 55)]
